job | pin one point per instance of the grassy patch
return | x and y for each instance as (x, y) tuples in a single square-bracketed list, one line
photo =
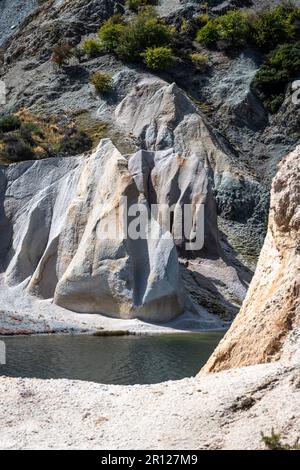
[(29, 136)]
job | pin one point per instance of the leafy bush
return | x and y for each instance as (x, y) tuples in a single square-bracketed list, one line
[(200, 60), (9, 123), (233, 29), (61, 54), (102, 82), (281, 67), (276, 26), (266, 30), (158, 58), (129, 40), (91, 47), (111, 32), (202, 20)]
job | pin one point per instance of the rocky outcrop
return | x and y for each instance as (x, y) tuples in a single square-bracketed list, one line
[(65, 235), (271, 311), (11, 15), (183, 164), (161, 116), (55, 236)]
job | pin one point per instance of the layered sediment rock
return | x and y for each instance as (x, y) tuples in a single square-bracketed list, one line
[(56, 219), (271, 311), (55, 213)]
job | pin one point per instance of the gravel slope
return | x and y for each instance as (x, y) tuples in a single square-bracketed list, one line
[(12, 12), (221, 411)]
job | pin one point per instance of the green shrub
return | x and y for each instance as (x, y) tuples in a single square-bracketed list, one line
[(281, 67), (111, 32), (233, 29), (129, 40), (200, 60), (158, 58), (9, 123), (202, 20), (102, 82), (91, 47), (266, 30), (276, 26)]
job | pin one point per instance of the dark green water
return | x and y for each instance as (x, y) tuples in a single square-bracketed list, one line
[(109, 360)]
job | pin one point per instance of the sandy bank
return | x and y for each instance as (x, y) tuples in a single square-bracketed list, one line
[(227, 410)]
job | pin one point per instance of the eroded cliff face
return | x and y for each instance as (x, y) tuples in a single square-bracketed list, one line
[(55, 238), (55, 213), (271, 311)]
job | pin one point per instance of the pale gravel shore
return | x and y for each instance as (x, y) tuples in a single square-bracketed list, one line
[(221, 411), (21, 313)]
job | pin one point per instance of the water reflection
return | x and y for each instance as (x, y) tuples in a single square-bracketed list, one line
[(109, 360)]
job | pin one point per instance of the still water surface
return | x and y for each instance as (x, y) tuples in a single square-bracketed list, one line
[(109, 360)]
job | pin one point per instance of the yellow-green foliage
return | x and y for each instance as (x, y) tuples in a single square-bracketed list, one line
[(266, 30), (130, 40), (158, 58), (232, 28), (200, 60), (92, 47), (29, 136), (102, 82)]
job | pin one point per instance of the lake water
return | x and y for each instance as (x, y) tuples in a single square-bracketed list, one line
[(110, 360)]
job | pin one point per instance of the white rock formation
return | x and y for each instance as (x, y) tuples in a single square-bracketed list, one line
[(56, 213)]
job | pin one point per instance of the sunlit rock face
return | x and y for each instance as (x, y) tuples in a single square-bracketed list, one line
[(270, 316), (55, 213), (55, 218)]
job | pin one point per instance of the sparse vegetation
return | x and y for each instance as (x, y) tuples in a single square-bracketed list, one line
[(61, 54), (92, 47), (102, 82), (281, 67), (266, 30), (75, 142), (275, 31), (130, 40), (32, 137), (158, 58), (9, 123), (111, 32), (274, 442), (276, 26), (200, 60), (231, 29)]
